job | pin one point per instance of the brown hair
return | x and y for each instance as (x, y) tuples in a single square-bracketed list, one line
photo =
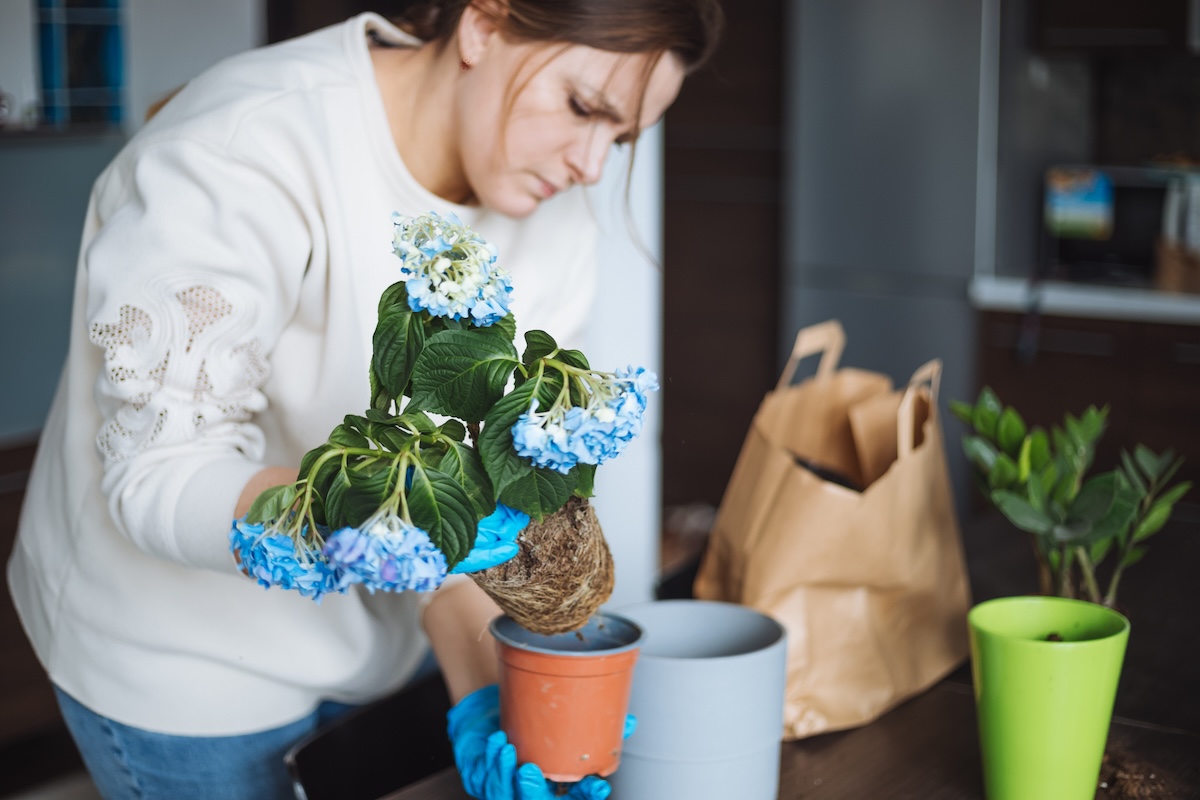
[(687, 28)]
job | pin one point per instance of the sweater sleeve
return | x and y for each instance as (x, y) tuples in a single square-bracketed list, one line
[(190, 279)]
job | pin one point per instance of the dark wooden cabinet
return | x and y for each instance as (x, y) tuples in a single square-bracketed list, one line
[(1147, 373)]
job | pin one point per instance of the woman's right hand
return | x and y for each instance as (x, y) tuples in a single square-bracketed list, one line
[(487, 761)]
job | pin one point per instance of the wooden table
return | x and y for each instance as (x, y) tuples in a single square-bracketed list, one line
[(928, 747)]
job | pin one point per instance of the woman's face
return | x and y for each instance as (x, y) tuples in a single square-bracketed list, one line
[(571, 106)]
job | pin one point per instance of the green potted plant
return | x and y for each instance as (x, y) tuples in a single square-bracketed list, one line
[(1045, 668), (1040, 482)]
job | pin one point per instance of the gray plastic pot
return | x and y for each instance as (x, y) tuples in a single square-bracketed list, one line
[(708, 693)]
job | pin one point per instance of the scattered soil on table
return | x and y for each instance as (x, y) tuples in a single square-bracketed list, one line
[(562, 574), (1125, 777)]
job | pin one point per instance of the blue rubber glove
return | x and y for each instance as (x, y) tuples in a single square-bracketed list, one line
[(495, 540), (487, 762)]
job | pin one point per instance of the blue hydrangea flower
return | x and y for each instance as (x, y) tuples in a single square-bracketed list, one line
[(387, 554), (274, 559), (560, 438), (449, 270)]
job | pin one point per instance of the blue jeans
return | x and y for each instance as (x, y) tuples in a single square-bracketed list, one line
[(132, 764)]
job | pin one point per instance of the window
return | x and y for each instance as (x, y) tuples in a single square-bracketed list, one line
[(82, 71)]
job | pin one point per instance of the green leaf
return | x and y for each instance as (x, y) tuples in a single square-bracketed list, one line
[(574, 358), (539, 492), (1039, 450), (1175, 493), (1048, 479), (465, 466), (1021, 513), (397, 344), (1010, 431), (495, 440), (396, 440), (1099, 550), (311, 458), (1036, 493), (271, 504), (380, 399), (505, 328), (585, 486), (1003, 474), (439, 506), (1054, 558), (453, 429), (981, 453), (362, 493), (1094, 498), (964, 411), (395, 295), (538, 344), (1119, 516), (417, 421), (501, 461), (346, 436), (335, 497), (1153, 522), (1165, 477), (987, 414), (1062, 443), (1132, 473), (1071, 532), (1134, 555), (1025, 461), (1147, 460), (1093, 423), (462, 374)]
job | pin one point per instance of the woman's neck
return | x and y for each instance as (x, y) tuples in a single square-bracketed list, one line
[(418, 87)]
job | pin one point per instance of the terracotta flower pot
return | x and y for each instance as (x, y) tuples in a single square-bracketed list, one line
[(563, 697)]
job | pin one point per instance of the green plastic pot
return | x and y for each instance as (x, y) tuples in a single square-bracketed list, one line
[(1044, 706)]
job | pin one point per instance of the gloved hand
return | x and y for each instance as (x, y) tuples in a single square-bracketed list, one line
[(487, 761), (495, 540)]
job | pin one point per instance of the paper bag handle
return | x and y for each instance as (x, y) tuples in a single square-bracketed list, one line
[(827, 338), (928, 374)]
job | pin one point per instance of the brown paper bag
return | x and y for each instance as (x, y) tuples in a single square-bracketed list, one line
[(871, 585)]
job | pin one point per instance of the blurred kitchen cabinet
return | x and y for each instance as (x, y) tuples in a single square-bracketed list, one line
[(35, 746), (25, 693), (1111, 26), (1147, 373), (1167, 394)]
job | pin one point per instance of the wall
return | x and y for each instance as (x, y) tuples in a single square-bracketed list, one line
[(1046, 112), (48, 179), (626, 329), (18, 72), (170, 42), (891, 162)]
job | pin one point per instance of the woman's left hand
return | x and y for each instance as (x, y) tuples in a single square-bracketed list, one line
[(495, 540)]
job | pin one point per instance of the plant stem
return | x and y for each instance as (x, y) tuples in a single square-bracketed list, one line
[(1045, 574), (1064, 574), (1089, 574), (1110, 597)]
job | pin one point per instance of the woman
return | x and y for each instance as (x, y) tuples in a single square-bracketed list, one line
[(232, 258)]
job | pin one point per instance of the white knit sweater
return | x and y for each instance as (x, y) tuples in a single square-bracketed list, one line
[(232, 259)]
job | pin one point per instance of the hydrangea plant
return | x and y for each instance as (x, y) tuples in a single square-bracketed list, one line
[(1040, 482), (396, 497)]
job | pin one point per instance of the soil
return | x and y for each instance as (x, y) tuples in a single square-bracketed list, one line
[(1125, 777), (562, 574)]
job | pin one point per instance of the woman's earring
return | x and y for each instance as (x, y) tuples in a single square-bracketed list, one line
[(464, 65)]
